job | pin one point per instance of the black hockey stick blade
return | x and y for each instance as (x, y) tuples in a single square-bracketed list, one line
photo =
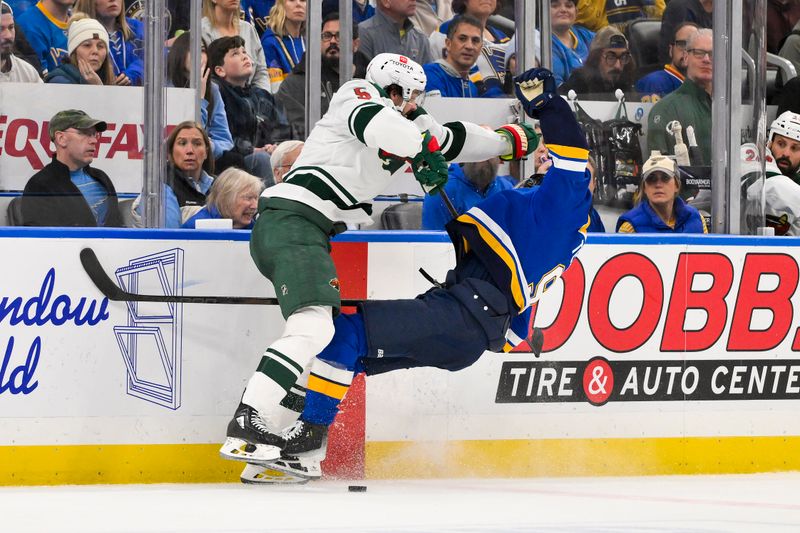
[(113, 292), (536, 341)]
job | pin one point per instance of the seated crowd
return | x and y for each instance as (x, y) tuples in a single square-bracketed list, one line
[(252, 98)]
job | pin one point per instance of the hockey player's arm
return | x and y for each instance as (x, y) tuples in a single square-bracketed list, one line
[(465, 142), (564, 198)]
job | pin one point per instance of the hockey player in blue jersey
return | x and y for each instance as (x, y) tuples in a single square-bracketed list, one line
[(510, 248)]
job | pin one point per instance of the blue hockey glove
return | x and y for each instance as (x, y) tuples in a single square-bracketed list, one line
[(523, 139), (535, 88), (429, 165)]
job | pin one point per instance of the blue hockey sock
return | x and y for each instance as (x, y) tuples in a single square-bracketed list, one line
[(332, 371)]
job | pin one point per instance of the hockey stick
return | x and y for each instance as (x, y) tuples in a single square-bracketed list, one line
[(113, 292)]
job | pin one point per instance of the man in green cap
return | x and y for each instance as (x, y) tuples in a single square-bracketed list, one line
[(68, 191)]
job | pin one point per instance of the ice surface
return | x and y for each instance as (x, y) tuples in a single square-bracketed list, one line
[(762, 502)]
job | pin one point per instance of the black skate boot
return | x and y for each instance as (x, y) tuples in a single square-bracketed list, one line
[(305, 438), (250, 439)]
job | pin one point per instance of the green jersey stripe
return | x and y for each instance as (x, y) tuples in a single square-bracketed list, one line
[(320, 188), (288, 360), (459, 138), (343, 193), (363, 118), (354, 114)]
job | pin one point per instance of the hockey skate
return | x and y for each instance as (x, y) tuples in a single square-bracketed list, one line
[(305, 439), (264, 475), (306, 445), (250, 439)]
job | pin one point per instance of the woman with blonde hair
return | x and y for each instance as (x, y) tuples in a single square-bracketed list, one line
[(233, 195), (126, 36), (283, 39), (88, 62), (221, 19)]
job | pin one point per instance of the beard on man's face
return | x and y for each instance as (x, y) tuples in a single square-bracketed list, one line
[(785, 164), (330, 57)]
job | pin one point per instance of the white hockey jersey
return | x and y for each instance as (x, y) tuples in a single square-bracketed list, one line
[(781, 197), (340, 169)]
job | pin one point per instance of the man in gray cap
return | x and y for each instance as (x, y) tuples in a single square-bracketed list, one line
[(608, 67), (68, 191)]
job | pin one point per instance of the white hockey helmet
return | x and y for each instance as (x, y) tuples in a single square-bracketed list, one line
[(787, 124), (395, 69)]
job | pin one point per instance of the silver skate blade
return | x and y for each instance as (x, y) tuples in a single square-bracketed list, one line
[(261, 475), (299, 467), (240, 450)]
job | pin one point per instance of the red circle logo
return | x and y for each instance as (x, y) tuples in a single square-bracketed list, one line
[(598, 381)]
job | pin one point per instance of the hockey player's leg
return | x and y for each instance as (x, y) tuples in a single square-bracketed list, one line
[(292, 251), (330, 378), (253, 433)]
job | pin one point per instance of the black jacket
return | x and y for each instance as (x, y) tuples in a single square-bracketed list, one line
[(292, 92), (51, 199), (254, 117), (589, 85)]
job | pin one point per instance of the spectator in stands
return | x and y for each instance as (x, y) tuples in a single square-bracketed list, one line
[(782, 16), (284, 156), (430, 14), (176, 15), (452, 76), (698, 11), (791, 47), (45, 26), (12, 68), (466, 186), (690, 104), (256, 121), (189, 174), (126, 36), (491, 63), (212, 108), (597, 14), (608, 67), (784, 143), (88, 62), (221, 19), (292, 94), (658, 84), (256, 12), (234, 196), (391, 30), (660, 209), (570, 41), (283, 40), (362, 9), (68, 191)]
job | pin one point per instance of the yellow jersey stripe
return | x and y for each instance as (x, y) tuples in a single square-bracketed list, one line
[(328, 388), (501, 251), (569, 152)]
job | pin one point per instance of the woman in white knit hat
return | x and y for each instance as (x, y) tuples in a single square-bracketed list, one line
[(88, 63)]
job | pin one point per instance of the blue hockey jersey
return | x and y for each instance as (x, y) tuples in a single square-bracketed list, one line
[(526, 238)]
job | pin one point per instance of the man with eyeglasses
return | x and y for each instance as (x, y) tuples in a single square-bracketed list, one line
[(608, 67), (292, 92), (698, 11), (68, 191), (660, 83), (690, 104)]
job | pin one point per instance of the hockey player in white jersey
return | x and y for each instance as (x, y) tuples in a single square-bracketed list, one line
[(373, 131)]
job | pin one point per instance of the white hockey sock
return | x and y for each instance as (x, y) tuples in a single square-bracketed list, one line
[(307, 332)]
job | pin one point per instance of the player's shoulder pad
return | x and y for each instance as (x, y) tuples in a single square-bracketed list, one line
[(359, 89)]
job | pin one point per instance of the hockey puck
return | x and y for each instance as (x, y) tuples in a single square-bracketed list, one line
[(357, 488)]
